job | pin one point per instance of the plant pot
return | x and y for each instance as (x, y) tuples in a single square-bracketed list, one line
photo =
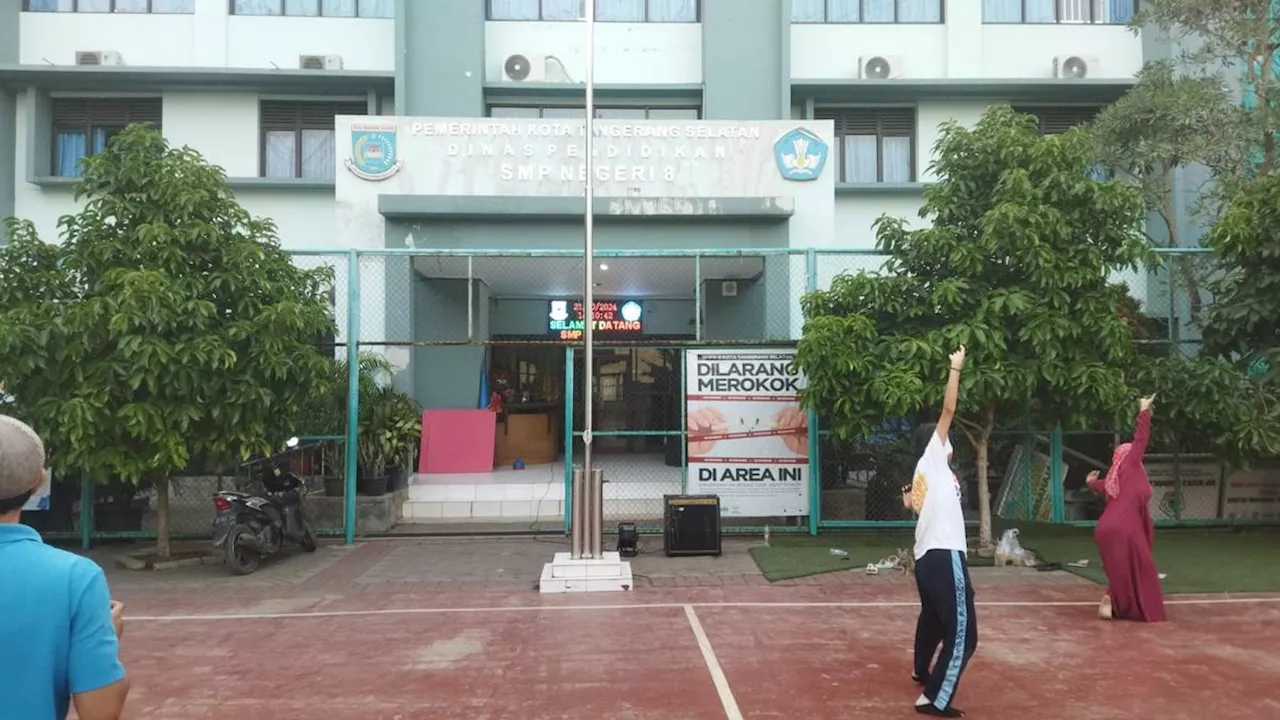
[(334, 487), (372, 486), (398, 480), (118, 518)]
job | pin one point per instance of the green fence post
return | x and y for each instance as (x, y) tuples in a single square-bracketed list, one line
[(815, 457), (684, 425), (1055, 473), (86, 513), (568, 439), (1177, 485), (353, 396)]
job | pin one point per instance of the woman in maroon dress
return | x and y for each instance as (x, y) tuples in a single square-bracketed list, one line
[(1126, 533)]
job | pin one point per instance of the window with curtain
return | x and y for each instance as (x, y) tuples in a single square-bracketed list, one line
[(619, 112), (1053, 120), (875, 145), (83, 126), (606, 10), (316, 8), (1056, 120), (866, 11), (159, 7), (298, 136), (1105, 12)]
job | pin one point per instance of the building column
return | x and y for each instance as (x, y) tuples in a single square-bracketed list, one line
[(440, 58), (746, 59), (9, 18)]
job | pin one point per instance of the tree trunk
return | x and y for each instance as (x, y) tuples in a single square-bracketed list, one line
[(1166, 211), (162, 517), (980, 446)]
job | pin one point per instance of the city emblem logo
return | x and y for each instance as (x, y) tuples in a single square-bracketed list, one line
[(373, 152), (800, 155)]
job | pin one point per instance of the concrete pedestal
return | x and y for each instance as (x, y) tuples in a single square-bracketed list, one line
[(566, 575)]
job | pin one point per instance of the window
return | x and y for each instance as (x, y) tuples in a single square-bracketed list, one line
[(316, 8), (866, 11), (1054, 120), (157, 7), (606, 10), (569, 112), (876, 145), (82, 127), (1106, 12), (298, 139)]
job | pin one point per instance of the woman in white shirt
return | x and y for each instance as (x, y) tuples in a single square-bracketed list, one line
[(947, 615)]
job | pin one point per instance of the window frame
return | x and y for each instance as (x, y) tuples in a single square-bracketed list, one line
[(1095, 8), (862, 13), (697, 14), (298, 126), (57, 126), (1043, 115), (847, 113), (231, 10), (75, 8), (542, 107)]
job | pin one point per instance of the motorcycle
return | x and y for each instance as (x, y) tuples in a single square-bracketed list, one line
[(250, 526)]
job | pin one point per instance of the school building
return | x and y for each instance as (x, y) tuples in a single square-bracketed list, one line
[(760, 130)]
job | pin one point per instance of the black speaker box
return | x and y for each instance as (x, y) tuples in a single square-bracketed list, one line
[(692, 525)]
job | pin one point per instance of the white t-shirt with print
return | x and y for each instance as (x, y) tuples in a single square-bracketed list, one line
[(936, 496)]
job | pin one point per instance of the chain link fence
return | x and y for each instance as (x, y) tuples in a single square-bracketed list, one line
[(474, 330)]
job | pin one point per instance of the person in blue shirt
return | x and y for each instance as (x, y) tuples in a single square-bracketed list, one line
[(58, 626)]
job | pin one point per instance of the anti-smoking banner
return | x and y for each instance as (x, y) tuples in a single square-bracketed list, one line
[(748, 437)]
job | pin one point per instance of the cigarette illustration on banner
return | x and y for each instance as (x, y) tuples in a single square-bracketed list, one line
[(747, 432), (716, 437)]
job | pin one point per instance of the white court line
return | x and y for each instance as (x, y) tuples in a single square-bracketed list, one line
[(727, 700), (654, 606)]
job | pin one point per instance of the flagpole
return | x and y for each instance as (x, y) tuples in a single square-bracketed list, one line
[(588, 275)]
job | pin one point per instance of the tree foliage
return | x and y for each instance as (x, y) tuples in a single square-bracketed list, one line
[(167, 324), (1171, 119), (1244, 319), (1015, 267)]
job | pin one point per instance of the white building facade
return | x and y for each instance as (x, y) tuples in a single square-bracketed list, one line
[(233, 79)]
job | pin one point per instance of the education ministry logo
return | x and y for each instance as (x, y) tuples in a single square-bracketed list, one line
[(800, 155), (373, 152)]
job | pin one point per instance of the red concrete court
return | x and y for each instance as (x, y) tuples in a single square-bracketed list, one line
[(667, 654)]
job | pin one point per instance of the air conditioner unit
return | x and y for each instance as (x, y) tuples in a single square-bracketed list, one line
[(729, 288), (98, 57), (525, 68), (1068, 67), (881, 67), (320, 62)]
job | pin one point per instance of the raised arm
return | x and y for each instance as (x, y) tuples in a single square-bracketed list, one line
[(1142, 429), (952, 394)]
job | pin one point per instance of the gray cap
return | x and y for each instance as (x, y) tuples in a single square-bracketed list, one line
[(21, 457)]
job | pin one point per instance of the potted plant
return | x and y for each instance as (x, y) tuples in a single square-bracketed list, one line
[(389, 428)]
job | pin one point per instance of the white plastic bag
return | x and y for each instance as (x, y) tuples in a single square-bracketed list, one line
[(1009, 546)]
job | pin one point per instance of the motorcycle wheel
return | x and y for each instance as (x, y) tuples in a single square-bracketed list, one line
[(241, 560), (308, 541)]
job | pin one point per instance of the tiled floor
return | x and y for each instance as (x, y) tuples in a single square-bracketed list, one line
[(634, 486)]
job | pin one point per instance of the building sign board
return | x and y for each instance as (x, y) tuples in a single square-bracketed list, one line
[(614, 318)]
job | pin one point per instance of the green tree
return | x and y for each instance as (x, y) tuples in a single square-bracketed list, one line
[(1015, 267), (1244, 320), (1207, 113), (1167, 123), (167, 324)]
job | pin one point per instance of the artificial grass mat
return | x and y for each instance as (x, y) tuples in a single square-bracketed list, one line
[(1196, 560)]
